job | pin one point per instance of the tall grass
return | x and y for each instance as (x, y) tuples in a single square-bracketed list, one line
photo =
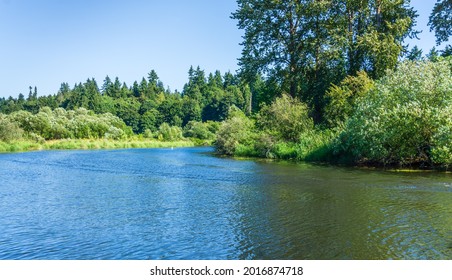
[(89, 144)]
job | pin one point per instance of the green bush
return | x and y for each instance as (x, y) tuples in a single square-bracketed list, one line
[(62, 124), (169, 133), (9, 130), (314, 145), (237, 130), (406, 119), (286, 118), (115, 133), (198, 130)]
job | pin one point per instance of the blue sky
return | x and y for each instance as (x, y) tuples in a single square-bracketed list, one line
[(44, 43)]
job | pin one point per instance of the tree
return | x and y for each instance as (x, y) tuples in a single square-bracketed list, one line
[(372, 32), (107, 85), (440, 20), (191, 110), (148, 120), (415, 54), (305, 45), (153, 78), (274, 39), (433, 55), (196, 86), (92, 94), (136, 90), (342, 98), (447, 51)]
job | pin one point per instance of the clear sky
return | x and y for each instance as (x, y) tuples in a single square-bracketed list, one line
[(44, 43)]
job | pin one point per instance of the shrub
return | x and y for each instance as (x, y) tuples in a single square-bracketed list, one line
[(115, 133), (406, 119), (148, 134), (169, 133), (198, 130), (9, 130), (236, 130), (61, 124), (286, 118)]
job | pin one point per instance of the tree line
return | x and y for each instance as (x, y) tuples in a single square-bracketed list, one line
[(145, 105), (326, 80), (340, 89)]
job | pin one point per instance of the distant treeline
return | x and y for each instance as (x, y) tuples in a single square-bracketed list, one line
[(145, 105)]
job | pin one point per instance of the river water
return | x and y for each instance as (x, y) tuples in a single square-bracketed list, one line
[(188, 204)]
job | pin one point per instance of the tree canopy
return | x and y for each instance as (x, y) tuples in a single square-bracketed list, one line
[(306, 45), (440, 20)]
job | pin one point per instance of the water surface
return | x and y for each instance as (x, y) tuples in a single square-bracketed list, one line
[(187, 204)]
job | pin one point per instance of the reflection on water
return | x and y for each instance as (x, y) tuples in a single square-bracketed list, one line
[(187, 204)]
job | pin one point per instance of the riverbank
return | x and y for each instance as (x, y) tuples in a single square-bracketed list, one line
[(89, 144)]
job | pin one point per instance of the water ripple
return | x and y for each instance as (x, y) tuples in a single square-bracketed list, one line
[(185, 204)]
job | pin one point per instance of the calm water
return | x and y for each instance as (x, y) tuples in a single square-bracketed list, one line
[(187, 204)]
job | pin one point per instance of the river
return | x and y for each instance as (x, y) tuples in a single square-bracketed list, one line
[(185, 203)]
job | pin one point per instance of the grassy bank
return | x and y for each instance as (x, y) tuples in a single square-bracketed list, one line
[(88, 144)]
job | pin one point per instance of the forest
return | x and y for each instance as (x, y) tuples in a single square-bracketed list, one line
[(322, 81)]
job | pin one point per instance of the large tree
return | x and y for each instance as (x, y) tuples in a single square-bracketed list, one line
[(274, 39), (440, 20), (305, 45)]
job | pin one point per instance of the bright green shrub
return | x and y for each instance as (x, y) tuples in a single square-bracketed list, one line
[(115, 133), (9, 130), (62, 124), (198, 130), (22, 118), (237, 130), (406, 119), (169, 133), (286, 118)]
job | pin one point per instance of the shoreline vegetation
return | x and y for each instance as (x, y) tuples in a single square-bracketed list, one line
[(90, 144), (401, 121), (318, 82)]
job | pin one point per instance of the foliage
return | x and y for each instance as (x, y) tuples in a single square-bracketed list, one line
[(314, 146), (286, 118), (237, 130), (415, 54), (306, 45), (27, 145), (200, 130), (143, 106), (60, 124), (169, 133), (342, 98), (9, 130), (440, 20), (406, 119)]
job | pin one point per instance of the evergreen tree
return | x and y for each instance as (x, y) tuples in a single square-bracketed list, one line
[(415, 54), (440, 20), (107, 86)]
